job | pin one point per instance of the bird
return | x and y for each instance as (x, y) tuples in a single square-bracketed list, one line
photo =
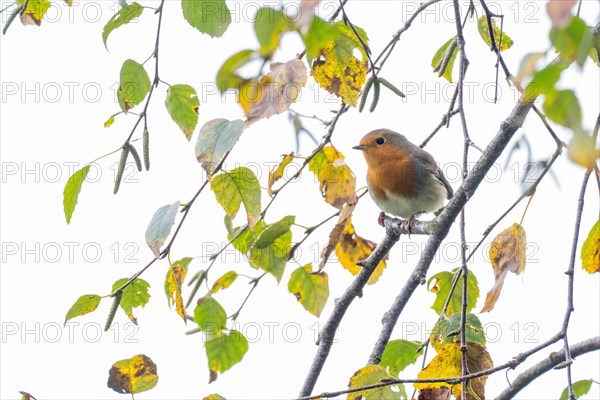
[(403, 179)]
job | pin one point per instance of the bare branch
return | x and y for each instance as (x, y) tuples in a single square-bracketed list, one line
[(554, 359), (571, 276)]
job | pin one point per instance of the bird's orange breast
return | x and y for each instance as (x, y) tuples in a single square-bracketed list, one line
[(390, 170)]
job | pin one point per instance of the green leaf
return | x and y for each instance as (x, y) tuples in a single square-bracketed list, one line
[(236, 187), (217, 138), (580, 388), (484, 32), (273, 231), (442, 282), (243, 241), (269, 24), (182, 104), (544, 80), (225, 350), (272, 258), (134, 295), (369, 375), (224, 281), (311, 289), (210, 317), (447, 331), (160, 226), (124, 16), (71, 191), (572, 42), (208, 16), (399, 354), (319, 34), (227, 77), (84, 305), (563, 108), (443, 59), (594, 56), (184, 262), (134, 85)]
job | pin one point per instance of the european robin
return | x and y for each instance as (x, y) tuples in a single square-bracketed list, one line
[(404, 180)]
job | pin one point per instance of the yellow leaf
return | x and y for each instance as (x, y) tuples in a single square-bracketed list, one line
[(277, 173), (175, 279), (224, 281), (447, 364), (582, 150), (590, 251), (337, 70), (134, 375), (507, 254), (369, 375), (34, 12), (26, 396), (248, 93), (337, 182), (109, 121), (276, 91), (352, 248)]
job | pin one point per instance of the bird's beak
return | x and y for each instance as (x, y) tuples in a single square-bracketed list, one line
[(359, 147)]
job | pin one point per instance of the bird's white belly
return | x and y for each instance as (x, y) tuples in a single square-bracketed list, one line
[(425, 201)]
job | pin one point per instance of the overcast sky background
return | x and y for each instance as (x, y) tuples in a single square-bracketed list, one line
[(58, 88)]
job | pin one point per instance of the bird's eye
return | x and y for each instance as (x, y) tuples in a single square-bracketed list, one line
[(380, 140)]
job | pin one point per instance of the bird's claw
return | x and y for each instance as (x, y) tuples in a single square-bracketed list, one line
[(381, 218)]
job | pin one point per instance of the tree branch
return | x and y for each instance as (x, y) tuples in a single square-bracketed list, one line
[(571, 276), (554, 359), (589, 345), (327, 334)]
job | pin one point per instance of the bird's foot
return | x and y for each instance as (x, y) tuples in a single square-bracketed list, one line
[(381, 218), (408, 224)]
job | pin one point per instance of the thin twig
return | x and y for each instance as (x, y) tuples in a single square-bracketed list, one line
[(571, 278), (254, 283), (464, 63)]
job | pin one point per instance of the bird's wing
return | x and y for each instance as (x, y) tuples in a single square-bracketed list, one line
[(428, 161)]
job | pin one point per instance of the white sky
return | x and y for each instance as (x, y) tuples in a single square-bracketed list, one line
[(58, 86)]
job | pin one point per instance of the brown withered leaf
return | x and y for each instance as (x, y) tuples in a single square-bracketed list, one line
[(352, 248), (507, 254), (277, 90), (441, 393), (336, 232), (277, 173), (306, 12), (447, 364), (133, 375), (559, 12)]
